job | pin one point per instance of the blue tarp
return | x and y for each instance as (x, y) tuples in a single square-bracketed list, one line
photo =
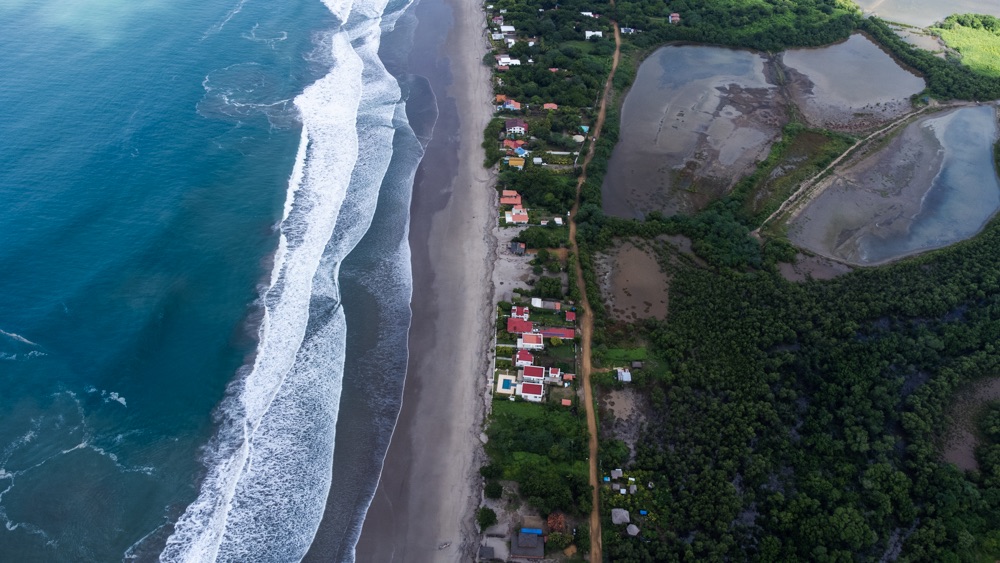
[(535, 531)]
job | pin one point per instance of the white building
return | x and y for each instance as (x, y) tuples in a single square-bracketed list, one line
[(624, 375), (507, 29), (530, 341), (589, 34), (531, 392)]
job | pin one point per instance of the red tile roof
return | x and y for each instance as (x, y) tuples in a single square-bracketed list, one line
[(564, 333), (569, 377), (570, 316), (567, 403), (550, 106), (510, 200), (531, 389), (519, 326), (524, 356), (534, 371), (529, 338), (501, 98), (519, 311)]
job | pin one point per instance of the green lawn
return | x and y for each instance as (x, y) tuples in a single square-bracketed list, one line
[(980, 48)]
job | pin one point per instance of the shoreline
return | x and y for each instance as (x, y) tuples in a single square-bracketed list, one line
[(429, 486)]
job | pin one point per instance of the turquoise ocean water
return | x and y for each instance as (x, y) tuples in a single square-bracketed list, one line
[(180, 184)]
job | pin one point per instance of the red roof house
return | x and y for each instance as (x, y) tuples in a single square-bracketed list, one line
[(570, 316), (519, 312), (567, 403), (518, 215), (530, 341), (510, 197), (519, 326), (569, 376), (523, 358), (564, 333), (550, 106), (531, 392), (516, 126), (533, 374)]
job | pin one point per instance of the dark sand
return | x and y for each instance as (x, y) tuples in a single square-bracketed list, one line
[(429, 486)]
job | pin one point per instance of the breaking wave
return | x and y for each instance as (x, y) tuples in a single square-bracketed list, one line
[(268, 471)]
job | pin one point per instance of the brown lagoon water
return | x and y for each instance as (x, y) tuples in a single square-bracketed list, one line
[(923, 13), (696, 119), (935, 184), (851, 84)]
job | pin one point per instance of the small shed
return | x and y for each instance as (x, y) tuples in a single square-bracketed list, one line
[(617, 473), (632, 530)]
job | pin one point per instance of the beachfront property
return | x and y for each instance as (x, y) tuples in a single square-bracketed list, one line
[(510, 197), (518, 248), (523, 358), (533, 374), (542, 304), (516, 126), (520, 312), (519, 326), (533, 392), (505, 60), (506, 384), (496, 36), (517, 162), (588, 34), (527, 544), (518, 215), (497, 20), (531, 341), (507, 29)]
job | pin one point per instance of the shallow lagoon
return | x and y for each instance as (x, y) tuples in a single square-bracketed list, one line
[(923, 13), (696, 119), (872, 213)]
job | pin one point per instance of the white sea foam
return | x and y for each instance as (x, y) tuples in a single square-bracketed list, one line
[(269, 468), (17, 337)]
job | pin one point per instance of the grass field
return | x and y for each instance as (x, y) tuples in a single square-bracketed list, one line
[(980, 48)]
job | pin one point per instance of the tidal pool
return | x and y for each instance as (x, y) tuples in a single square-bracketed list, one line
[(696, 120), (853, 84), (933, 185), (923, 13)]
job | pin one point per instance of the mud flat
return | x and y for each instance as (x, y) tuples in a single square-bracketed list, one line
[(921, 39), (834, 86), (934, 184), (696, 120), (923, 13), (962, 438), (633, 283)]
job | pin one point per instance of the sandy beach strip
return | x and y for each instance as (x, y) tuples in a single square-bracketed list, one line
[(423, 509)]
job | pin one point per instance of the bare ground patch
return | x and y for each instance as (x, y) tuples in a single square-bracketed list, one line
[(625, 413), (633, 283), (807, 266), (962, 437)]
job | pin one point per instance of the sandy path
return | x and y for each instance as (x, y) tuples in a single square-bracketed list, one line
[(424, 507), (587, 320)]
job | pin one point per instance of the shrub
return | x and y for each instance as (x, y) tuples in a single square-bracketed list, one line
[(486, 517), (494, 490)]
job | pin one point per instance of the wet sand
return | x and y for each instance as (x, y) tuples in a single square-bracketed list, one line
[(879, 195), (696, 120), (429, 486)]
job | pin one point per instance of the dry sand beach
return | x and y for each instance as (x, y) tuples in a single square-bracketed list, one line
[(423, 508)]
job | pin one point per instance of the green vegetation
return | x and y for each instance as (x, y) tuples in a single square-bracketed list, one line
[(486, 517), (544, 449), (976, 38), (767, 25), (549, 236), (800, 154)]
